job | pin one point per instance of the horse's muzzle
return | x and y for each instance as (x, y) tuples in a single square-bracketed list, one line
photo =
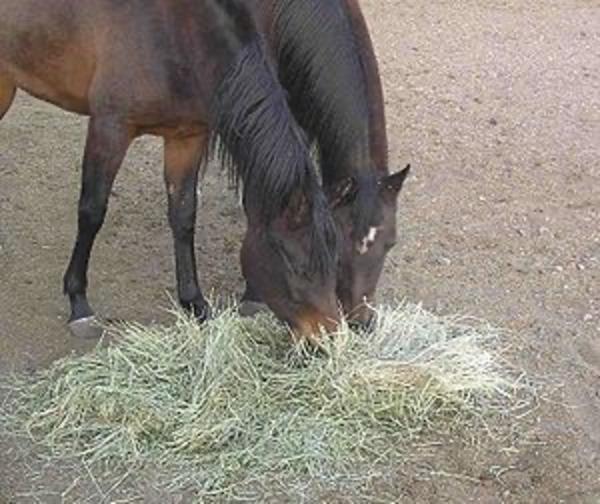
[(311, 326)]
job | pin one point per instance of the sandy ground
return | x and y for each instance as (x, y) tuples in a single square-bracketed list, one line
[(496, 103)]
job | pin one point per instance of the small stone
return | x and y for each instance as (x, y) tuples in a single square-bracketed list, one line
[(588, 317), (493, 121)]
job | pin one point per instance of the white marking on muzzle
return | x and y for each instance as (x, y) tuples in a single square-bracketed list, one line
[(367, 241)]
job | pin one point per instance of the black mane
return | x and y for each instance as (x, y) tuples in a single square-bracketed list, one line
[(265, 150), (321, 66)]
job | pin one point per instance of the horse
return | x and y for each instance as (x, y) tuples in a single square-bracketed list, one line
[(198, 74), (326, 63)]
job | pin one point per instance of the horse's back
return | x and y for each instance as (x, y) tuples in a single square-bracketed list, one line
[(45, 50), (145, 58)]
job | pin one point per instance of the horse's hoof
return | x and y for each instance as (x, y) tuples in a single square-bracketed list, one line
[(201, 314), (86, 328), (252, 308)]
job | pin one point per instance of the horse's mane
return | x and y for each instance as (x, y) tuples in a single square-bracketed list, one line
[(265, 150), (321, 65)]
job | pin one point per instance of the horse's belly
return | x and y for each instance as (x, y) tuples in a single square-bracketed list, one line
[(65, 93)]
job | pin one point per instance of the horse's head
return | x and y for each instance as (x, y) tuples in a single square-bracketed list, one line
[(366, 215), (290, 265)]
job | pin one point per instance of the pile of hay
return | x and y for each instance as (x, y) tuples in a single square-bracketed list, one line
[(232, 405)]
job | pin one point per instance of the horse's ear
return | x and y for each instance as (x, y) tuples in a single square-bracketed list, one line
[(392, 184), (297, 213), (343, 193)]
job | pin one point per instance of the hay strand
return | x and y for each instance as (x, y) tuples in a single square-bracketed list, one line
[(230, 405)]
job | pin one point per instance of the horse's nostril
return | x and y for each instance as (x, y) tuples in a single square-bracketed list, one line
[(355, 325), (362, 326), (358, 326), (311, 326)]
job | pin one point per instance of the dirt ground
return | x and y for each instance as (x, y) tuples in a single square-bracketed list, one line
[(496, 103)]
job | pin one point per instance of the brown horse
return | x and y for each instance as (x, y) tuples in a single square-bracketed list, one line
[(326, 62), (188, 71)]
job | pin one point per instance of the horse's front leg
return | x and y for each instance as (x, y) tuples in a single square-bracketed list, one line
[(183, 157), (251, 303), (107, 141)]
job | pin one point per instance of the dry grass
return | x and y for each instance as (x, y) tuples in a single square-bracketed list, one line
[(230, 406)]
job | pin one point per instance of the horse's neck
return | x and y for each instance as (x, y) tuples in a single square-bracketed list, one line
[(378, 145), (369, 157), (339, 164), (329, 67)]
